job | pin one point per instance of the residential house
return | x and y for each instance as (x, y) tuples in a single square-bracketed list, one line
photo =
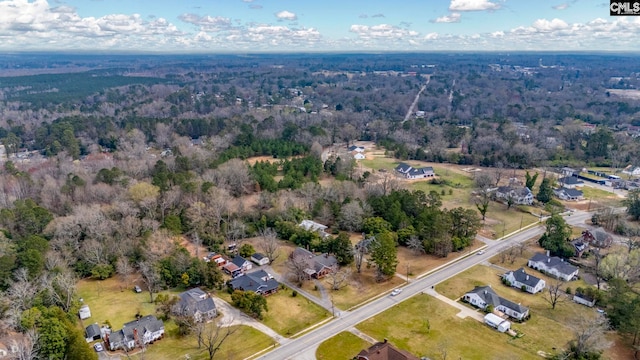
[(318, 266), (84, 312), (92, 332), (410, 172), (311, 225), (568, 194), (521, 280), (598, 238), (232, 269), (483, 296), (567, 171), (520, 195), (260, 259), (632, 170), (553, 265), (139, 332), (385, 351), (244, 264), (354, 148), (196, 304), (570, 182), (579, 247), (358, 156), (260, 282)]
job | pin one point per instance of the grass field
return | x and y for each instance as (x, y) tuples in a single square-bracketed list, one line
[(362, 287), (244, 342), (424, 326), (343, 346), (289, 315), (600, 197), (110, 300)]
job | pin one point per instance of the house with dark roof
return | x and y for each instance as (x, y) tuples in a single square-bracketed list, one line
[(92, 332), (570, 182), (520, 195), (354, 148), (244, 264), (567, 194), (598, 238), (232, 269), (259, 259), (135, 333), (318, 266), (259, 282), (483, 296), (410, 172), (521, 280), (385, 351), (553, 266), (197, 304)]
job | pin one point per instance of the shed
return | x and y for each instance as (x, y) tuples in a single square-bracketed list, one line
[(259, 259), (84, 312), (92, 332), (497, 322)]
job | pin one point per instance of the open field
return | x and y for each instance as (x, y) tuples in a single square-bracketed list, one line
[(289, 315), (244, 342), (111, 300), (600, 197), (361, 288), (424, 325), (343, 346)]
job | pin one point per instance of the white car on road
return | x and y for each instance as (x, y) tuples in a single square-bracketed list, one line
[(396, 292), (481, 252)]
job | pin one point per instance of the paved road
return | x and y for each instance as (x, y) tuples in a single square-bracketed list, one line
[(295, 348)]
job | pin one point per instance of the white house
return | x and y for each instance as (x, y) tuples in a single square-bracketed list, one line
[(632, 170), (497, 322), (521, 280), (568, 194), (244, 264), (311, 225), (483, 296), (359, 156), (570, 182), (410, 172), (84, 312), (259, 259), (520, 195), (554, 266), (139, 332)]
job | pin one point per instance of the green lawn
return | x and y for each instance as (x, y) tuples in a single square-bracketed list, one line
[(343, 346), (244, 342), (111, 300), (289, 315), (600, 197), (424, 326)]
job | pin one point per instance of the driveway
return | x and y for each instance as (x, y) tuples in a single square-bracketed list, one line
[(464, 310), (231, 316)]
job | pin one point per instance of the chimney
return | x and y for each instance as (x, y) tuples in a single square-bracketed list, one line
[(548, 260), (385, 340), (527, 277), (548, 253)]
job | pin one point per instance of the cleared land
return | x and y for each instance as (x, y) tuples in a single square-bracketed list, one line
[(343, 346)]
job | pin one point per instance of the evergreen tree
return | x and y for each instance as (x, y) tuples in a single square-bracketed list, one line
[(384, 254), (545, 194)]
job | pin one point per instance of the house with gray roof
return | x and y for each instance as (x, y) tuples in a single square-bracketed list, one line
[(520, 195), (410, 172), (521, 280), (197, 304), (92, 332), (242, 263), (313, 226), (570, 182), (259, 282), (318, 266), (553, 266), (567, 194), (135, 333), (483, 296)]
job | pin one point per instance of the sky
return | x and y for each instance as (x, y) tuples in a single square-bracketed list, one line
[(248, 26)]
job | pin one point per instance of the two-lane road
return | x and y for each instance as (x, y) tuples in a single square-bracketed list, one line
[(318, 335)]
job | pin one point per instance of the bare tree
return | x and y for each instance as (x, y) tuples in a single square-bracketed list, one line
[(150, 277), (22, 290), (124, 268), (359, 253), (297, 266), (597, 270), (553, 293), (27, 348), (443, 348), (498, 172), (213, 336), (338, 277), (589, 335), (61, 288), (415, 245), (351, 216), (269, 244)]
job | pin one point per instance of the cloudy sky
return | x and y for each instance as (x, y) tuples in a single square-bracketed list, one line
[(313, 25)]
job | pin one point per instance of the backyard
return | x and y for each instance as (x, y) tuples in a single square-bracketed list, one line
[(343, 346)]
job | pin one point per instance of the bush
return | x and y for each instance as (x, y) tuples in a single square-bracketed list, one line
[(294, 293), (568, 291)]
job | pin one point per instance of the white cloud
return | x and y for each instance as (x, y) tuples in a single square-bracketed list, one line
[(207, 23), (472, 5), (544, 25), (286, 15), (452, 18), (431, 36), (561, 6), (382, 31)]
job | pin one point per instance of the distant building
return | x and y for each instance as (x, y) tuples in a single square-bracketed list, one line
[(598, 238), (519, 279), (311, 225), (410, 172), (570, 182), (259, 282), (568, 194), (318, 266), (91, 333), (520, 195), (84, 312)]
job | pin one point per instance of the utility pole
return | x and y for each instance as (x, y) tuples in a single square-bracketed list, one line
[(408, 273)]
